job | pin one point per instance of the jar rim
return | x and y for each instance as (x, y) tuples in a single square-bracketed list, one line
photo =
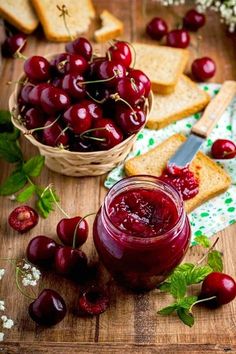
[(170, 190)]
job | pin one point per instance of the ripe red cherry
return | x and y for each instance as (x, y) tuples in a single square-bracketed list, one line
[(193, 20), (78, 118), (34, 118), (66, 229), (72, 84), (107, 69), (24, 93), (48, 309), (80, 46), (223, 149), (54, 135), (157, 28), (80, 145), (110, 134), (99, 92), (94, 109), (70, 262), (35, 93), (93, 301), (41, 251), (220, 285), (13, 43), (203, 68), (130, 121), (120, 52), (37, 68), (178, 38), (66, 63), (54, 99), (23, 218), (140, 76), (130, 90)]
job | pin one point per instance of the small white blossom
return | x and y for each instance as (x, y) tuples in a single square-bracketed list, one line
[(7, 322), (1, 336), (12, 197), (2, 305), (2, 272), (31, 275), (26, 266)]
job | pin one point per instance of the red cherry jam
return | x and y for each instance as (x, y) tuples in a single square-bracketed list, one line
[(141, 232), (183, 180)]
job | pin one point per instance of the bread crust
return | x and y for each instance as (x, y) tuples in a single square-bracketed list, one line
[(110, 33)]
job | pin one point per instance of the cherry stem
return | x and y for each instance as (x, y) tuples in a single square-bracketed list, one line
[(18, 270), (18, 54), (16, 82), (49, 187), (42, 128), (109, 55), (206, 254), (62, 64), (64, 12), (95, 100), (116, 72), (117, 97), (76, 228), (133, 84), (61, 133), (83, 135), (201, 300), (134, 53)]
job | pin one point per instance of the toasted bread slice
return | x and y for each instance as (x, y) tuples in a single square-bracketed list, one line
[(111, 27), (78, 21), (163, 65), (20, 14), (213, 180), (186, 99)]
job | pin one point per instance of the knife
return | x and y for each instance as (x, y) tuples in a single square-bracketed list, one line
[(201, 130)]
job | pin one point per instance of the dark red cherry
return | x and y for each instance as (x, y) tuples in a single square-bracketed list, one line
[(157, 28), (111, 135), (41, 251), (94, 109), (193, 20), (53, 134), (24, 93), (178, 38), (70, 262), (130, 121), (35, 93), (93, 301), (72, 84), (13, 43), (54, 99), (130, 90), (34, 118), (78, 118), (37, 68), (223, 149), (23, 218), (66, 229), (110, 70), (99, 92), (66, 63), (48, 309), (220, 285), (120, 52), (93, 67), (140, 76), (57, 81), (80, 145), (203, 68), (80, 46)]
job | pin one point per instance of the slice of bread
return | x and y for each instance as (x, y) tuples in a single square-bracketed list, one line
[(111, 27), (80, 14), (186, 99), (163, 65), (213, 180), (20, 14)]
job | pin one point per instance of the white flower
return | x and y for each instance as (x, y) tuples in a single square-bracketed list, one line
[(26, 266), (7, 322), (2, 305), (2, 272), (31, 275), (12, 197), (1, 336)]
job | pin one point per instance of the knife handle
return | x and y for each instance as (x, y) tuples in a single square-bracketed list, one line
[(215, 109)]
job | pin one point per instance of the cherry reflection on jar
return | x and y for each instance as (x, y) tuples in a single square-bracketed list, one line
[(141, 232)]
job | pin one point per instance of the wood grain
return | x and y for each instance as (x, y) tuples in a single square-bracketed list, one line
[(130, 325)]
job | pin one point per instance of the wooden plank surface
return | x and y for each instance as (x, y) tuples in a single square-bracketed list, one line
[(130, 325)]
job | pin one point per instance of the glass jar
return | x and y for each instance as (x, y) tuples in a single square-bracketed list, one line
[(140, 260)]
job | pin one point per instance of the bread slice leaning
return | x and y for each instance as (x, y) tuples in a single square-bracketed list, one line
[(111, 27), (186, 99), (163, 65), (20, 14), (80, 14), (213, 180)]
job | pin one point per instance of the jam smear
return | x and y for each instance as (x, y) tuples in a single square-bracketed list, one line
[(182, 179), (143, 212)]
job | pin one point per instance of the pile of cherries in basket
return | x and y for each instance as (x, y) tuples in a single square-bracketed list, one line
[(83, 102), (202, 68)]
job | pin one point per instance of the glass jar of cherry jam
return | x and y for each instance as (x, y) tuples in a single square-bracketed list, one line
[(141, 232)]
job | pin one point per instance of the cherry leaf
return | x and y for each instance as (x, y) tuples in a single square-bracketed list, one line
[(185, 316), (215, 261)]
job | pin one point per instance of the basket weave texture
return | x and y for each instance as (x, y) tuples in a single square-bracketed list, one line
[(72, 163)]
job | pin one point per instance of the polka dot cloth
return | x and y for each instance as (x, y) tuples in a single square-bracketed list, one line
[(220, 211)]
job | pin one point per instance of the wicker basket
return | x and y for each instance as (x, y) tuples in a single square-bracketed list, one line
[(72, 163)]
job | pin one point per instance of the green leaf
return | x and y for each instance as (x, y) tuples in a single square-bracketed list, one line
[(164, 287), (215, 261), (5, 117), (12, 135), (13, 183), (33, 167), (202, 240), (187, 301), (10, 151), (168, 310), (185, 316), (196, 275), (184, 267), (178, 285), (46, 201), (26, 194)]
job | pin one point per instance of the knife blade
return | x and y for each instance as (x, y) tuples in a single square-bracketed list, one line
[(201, 130)]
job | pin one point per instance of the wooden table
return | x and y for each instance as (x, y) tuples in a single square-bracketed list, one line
[(130, 325)]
